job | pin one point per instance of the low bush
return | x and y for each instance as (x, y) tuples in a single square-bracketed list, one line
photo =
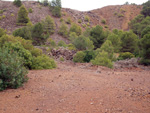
[(102, 59), (61, 59), (79, 21), (2, 32), (62, 44), (12, 72), (87, 18), (89, 55), (68, 21), (36, 52), (103, 21), (125, 55), (30, 10), (22, 52), (79, 57), (43, 62)]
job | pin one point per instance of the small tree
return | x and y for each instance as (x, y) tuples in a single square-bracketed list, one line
[(63, 30), (102, 59), (37, 30), (56, 8), (23, 15), (48, 25), (83, 43), (17, 3), (75, 28), (98, 36), (145, 53)]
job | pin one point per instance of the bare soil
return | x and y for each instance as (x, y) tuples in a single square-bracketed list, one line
[(80, 88)]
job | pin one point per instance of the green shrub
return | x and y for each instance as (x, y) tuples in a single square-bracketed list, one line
[(61, 59), (43, 62), (145, 52), (17, 3), (68, 21), (2, 32), (126, 55), (22, 52), (103, 21), (1, 11), (49, 25), (0, 18), (83, 43), (79, 21), (23, 15), (84, 25), (12, 14), (3, 16), (30, 10), (120, 15), (36, 52), (106, 26), (51, 42), (79, 57), (61, 19), (90, 55), (24, 32), (71, 47), (12, 72), (102, 59), (62, 44), (87, 18), (75, 28), (63, 30)]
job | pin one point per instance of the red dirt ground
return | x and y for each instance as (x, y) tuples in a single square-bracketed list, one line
[(80, 88)]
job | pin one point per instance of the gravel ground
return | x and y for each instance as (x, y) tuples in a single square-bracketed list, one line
[(80, 88)]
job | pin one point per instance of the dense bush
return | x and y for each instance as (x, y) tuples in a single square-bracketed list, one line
[(48, 25), (51, 42), (146, 9), (36, 52), (30, 10), (129, 42), (126, 55), (83, 43), (55, 7), (22, 52), (75, 28), (63, 30), (43, 62), (23, 15), (17, 3), (98, 36), (79, 57), (107, 47), (62, 43), (24, 32), (116, 42), (72, 36), (12, 72), (145, 53), (87, 18), (68, 21), (2, 32), (89, 55), (103, 21), (102, 59)]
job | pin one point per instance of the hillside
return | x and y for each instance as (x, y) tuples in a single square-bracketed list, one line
[(115, 16)]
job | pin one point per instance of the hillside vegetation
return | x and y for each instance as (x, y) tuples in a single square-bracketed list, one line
[(100, 37)]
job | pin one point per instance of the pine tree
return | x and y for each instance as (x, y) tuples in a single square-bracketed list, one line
[(49, 25), (23, 15)]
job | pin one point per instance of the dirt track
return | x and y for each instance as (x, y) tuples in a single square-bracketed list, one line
[(80, 88)]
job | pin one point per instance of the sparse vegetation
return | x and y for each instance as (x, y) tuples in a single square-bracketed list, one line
[(87, 18), (68, 21)]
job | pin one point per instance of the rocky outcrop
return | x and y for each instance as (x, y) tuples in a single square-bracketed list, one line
[(63, 52)]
